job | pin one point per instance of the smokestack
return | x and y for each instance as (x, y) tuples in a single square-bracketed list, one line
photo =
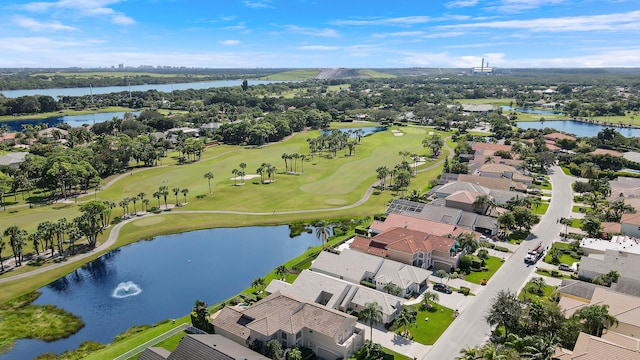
[(482, 67)]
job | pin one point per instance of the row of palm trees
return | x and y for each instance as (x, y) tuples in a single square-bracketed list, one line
[(292, 166)]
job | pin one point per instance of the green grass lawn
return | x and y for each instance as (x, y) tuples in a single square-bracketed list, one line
[(575, 223), (295, 75), (566, 170), (546, 185), (493, 263), (67, 112), (427, 332), (528, 292), (492, 101), (540, 209), (565, 258), (579, 208)]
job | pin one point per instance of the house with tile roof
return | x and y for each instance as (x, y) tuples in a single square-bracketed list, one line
[(558, 136), (338, 294), (501, 171), (610, 346), (630, 224), (464, 200), (13, 159), (354, 265), (201, 347), (411, 247), (625, 263), (293, 321)]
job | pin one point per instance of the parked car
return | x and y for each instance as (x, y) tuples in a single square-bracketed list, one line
[(564, 267), (442, 288)]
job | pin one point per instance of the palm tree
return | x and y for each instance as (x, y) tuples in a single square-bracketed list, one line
[(184, 192), (542, 348), (294, 354), (261, 170), (258, 284), (468, 243), (74, 235), (372, 314), (480, 203), (595, 319), (302, 159), (176, 191), (145, 202), (592, 226), (284, 157), (235, 172), (61, 226), (566, 222), (470, 353), (208, 176), (441, 274), (157, 195), (405, 319), (34, 238), (382, 171), (281, 271), (2, 246), (243, 166), (323, 231), (537, 285), (164, 191), (429, 298), (16, 241)]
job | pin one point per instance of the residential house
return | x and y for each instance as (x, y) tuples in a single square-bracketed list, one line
[(293, 321), (606, 152), (356, 266), (442, 191), (338, 294), (492, 182), (13, 160), (395, 220), (8, 138), (411, 247), (610, 346), (482, 148), (630, 224), (201, 346), (620, 243), (504, 171), (54, 133), (625, 263), (466, 201), (559, 136)]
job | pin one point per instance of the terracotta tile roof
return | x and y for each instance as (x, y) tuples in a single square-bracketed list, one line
[(8, 136), (441, 243), (490, 146), (364, 245), (630, 219), (463, 196), (413, 223), (606, 151), (611, 227), (557, 136)]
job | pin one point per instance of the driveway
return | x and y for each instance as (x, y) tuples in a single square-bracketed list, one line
[(471, 329)]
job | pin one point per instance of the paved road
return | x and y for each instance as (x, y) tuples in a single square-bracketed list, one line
[(471, 329), (113, 235)]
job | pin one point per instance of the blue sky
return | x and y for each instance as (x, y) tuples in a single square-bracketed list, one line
[(328, 33)]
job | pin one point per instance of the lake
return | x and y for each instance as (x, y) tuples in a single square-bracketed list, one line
[(366, 130), (150, 281), (54, 93), (577, 128), (73, 120), (532, 111)]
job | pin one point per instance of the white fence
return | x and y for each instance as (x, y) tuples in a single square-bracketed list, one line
[(138, 349)]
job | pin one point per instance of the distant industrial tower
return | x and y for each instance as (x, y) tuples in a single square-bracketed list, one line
[(482, 70)]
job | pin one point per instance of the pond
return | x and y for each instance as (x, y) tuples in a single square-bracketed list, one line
[(578, 128), (73, 120), (368, 130), (150, 281), (54, 93), (532, 111)]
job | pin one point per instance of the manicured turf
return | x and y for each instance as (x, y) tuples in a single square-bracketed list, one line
[(540, 209), (428, 331), (492, 101), (527, 294), (576, 209), (565, 258), (297, 75), (67, 112), (493, 263)]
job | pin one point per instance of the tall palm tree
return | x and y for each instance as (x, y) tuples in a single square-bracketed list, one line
[(157, 195), (323, 231), (302, 159), (285, 157), (145, 202), (258, 284), (176, 191), (2, 246), (596, 318), (406, 319), (243, 166), (480, 203), (164, 191), (372, 314), (467, 242), (16, 241), (208, 176), (429, 298), (235, 172), (281, 271), (541, 348), (34, 238), (382, 171), (184, 192)]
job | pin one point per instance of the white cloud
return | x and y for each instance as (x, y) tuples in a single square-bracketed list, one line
[(398, 21), (35, 25), (312, 31), (88, 8), (518, 6), (240, 26), (629, 21), (399, 34), (319, 48), (461, 3), (257, 4), (230, 42)]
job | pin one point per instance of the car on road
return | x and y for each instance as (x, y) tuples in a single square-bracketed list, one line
[(442, 288), (564, 267)]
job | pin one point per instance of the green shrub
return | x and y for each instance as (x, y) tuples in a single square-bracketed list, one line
[(574, 255), (361, 230), (487, 244), (464, 290), (367, 284), (555, 273), (501, 248), (465, 262)]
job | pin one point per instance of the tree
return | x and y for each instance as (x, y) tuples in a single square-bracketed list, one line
[(506, 221), (273, 349), (592, 226), (393, 289), (2, 246), (176, 191), (243, 166), (16, 241), (382, 171), (537, 285), (403, 180), (541, 348), (434, 143), (406, 319), (294, 354), (483, 254), (372, 314), (89, 222), (323, 231), (281, 271), (566, 222), (258, 284), (157, 195), (200, 317), (184, 193), (480, 204), (506, 310), (208, 176), (442, 274), (429, 298), (164, 191), (5, 186), (595, 319), (467, 242)]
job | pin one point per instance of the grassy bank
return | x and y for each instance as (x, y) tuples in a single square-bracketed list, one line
[(67, 112)]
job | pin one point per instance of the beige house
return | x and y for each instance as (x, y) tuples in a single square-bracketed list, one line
[(293, 321), (464, 200), (505, 172), (201, 346), (610, 346)]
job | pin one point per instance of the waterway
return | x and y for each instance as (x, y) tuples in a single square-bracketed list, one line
[(150, 281), (578, 128), (532, 111), (73, 120), (368, 130), (55, 93)]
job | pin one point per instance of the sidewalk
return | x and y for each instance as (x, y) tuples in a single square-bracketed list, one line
[(395, 342)]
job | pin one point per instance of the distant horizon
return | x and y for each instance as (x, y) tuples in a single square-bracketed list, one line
[(142, 68), (508, 34)]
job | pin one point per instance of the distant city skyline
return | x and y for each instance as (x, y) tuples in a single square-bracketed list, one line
[(319, 34)]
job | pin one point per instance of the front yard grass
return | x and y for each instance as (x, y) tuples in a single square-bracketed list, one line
[(430, 324), (579, 209), (541, 209), (493, 263), (529, 291), (565, 258)]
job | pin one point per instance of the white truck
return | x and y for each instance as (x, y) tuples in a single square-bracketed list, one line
[(534, 254)]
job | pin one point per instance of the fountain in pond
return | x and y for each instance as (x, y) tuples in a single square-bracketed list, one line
[(126, 289)]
